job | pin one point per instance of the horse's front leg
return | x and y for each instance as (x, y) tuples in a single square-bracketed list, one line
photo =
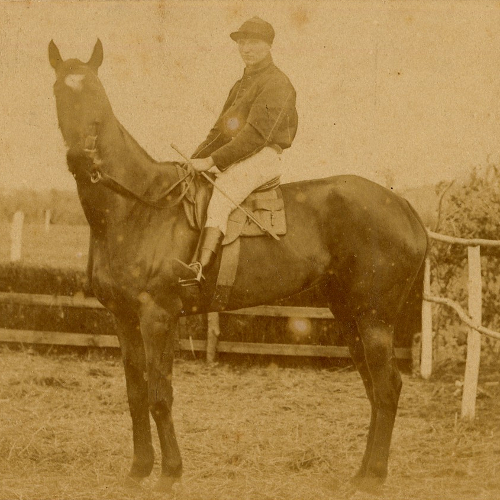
[(134, 362), (158, 328)]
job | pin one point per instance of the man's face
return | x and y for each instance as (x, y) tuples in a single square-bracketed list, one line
[(253, 50)]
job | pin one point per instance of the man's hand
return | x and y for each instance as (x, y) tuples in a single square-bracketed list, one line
[(202, 164)]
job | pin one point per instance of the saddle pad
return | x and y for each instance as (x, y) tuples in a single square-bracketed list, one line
[(267, 207)]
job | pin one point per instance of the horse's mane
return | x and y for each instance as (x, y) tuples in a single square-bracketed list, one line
[(150, 178), (132, 151), (134, 145)]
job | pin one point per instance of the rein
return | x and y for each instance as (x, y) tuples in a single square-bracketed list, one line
[(97, 176)]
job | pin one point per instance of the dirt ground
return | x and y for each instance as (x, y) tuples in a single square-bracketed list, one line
[(246, 432)]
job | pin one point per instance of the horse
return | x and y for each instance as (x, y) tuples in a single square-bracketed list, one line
[(356, 241)]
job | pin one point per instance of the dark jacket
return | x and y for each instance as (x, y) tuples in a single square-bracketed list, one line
[(259, 111)]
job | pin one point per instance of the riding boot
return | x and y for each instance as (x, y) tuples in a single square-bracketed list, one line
[(208, 247)]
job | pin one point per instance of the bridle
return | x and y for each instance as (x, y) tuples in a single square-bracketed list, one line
[(98, 176)]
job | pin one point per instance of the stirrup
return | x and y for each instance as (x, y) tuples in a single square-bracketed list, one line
[(197, 268)]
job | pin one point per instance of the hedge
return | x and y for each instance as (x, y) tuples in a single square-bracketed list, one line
[(49, 281)]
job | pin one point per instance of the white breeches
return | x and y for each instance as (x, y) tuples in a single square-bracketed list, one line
[(238, 181)]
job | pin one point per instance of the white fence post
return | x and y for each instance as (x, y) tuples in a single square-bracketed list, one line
[(426, 352), (213, 333), (48, 216), (16, 236), (474, 337)]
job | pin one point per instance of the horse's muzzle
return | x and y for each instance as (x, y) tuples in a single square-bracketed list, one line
[(79, 163)]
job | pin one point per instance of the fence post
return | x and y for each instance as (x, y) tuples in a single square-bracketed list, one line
[(426, 353), (48, 217), (213, 332), (16, 236), (474, 337)]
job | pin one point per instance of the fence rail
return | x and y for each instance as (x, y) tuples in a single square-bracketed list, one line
[(89, 340), (212, 344)]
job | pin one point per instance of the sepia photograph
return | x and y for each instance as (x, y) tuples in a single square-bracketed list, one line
[(249, 249)]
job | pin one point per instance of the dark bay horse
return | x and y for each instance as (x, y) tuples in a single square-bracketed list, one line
[(361, 244)]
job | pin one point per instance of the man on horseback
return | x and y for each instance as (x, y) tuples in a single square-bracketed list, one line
[(243, 148)]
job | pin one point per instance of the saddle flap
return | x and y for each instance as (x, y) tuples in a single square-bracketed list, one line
[(267, 207), (272, 205)]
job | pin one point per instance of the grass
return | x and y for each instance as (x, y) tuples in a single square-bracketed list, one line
[(63, 246), (246, 432)]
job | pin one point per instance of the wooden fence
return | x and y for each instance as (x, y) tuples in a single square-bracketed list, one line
[(472, 319), (210, 346)]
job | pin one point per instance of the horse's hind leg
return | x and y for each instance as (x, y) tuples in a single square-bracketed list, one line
[(157, 328), (357, 351), (134, 362), (377, 339)]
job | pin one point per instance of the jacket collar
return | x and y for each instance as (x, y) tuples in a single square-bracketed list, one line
[(259, 67)]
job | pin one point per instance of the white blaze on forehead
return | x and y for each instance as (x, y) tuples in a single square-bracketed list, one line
[(74, 81)]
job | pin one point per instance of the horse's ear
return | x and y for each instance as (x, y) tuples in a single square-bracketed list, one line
[(97, 55), (54, 55)]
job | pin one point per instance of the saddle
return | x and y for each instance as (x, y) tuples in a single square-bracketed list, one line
[(265, 204)]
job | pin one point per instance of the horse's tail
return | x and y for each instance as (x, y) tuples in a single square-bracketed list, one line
[(408, 327), (409, 324)]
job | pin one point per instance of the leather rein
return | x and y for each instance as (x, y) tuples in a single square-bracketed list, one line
[(98, 176)]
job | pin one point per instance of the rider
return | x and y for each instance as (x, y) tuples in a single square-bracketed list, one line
[(257, 122)]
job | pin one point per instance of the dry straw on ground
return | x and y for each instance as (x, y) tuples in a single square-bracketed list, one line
[(245, 432)]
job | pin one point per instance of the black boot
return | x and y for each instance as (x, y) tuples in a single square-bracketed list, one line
[(208, 247)]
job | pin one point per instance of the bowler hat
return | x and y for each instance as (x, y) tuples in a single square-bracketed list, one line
[(255, 28)]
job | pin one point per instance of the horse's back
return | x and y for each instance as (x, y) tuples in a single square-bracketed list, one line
[(351, 205), (375, 242)]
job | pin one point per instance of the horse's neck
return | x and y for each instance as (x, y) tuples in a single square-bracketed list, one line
[(129, 164), (123, 155)]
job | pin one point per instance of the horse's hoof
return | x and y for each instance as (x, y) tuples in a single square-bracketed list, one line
[(357, 478), (368, 484), (165, 484), (132, 483)]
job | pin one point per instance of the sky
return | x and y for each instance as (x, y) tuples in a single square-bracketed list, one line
[(400, 92)]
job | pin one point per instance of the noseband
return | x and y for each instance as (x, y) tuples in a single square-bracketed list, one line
[(90, 149), (98, 176)]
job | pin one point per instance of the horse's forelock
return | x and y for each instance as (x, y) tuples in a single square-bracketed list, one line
[(75, 81)]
